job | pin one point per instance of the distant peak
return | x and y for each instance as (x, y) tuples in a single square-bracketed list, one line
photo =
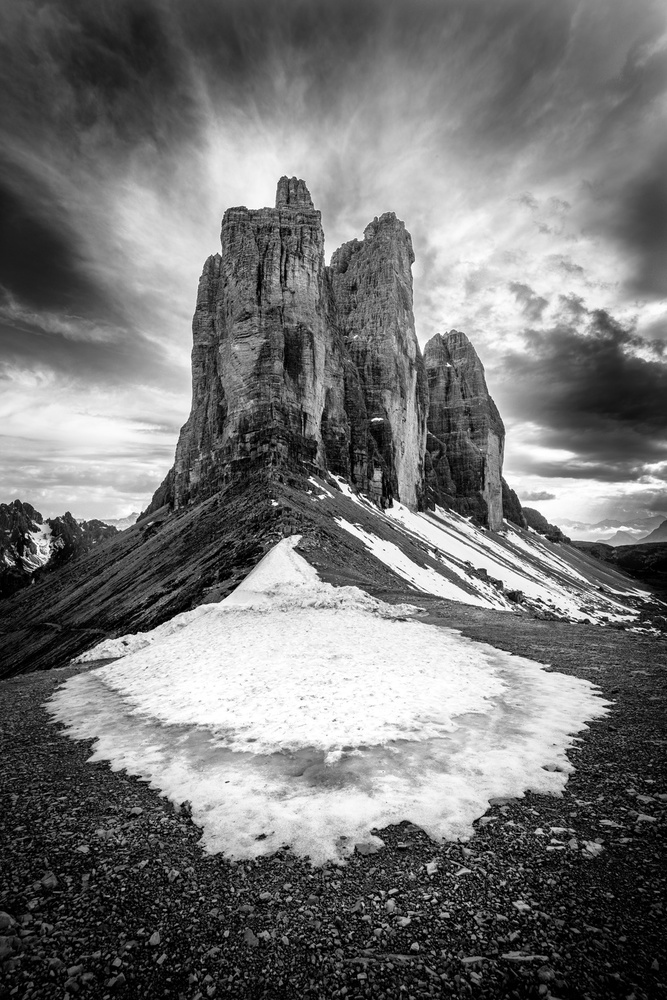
[(292, 192)]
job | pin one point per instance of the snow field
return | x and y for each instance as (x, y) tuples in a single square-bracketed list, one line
[(309, 715)]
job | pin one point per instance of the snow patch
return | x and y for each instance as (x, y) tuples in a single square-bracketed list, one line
[(308, 715)]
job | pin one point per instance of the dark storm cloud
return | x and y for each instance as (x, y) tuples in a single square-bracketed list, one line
[(39, 260), (94, 74), (641, 224), (125, 360), (532, 304), (597, 390)]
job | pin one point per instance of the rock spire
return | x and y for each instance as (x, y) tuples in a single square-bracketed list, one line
[(295, 364), (466, 436)]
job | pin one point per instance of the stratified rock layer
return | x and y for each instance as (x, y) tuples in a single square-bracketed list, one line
[(267, 365), (466, 435), (372, 284), (296, 364)]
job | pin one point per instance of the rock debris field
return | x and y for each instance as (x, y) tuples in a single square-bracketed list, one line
[(105, 891)]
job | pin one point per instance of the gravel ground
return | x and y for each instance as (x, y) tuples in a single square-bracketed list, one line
[(105, 891)]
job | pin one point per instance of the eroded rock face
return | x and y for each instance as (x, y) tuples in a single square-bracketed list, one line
[(267, 364), (466, 435), (294, 363), (299, 365), (30, 543), (372, 285)]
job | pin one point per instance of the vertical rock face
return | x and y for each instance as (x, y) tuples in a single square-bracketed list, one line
[(465, 433), (294, 362), (372, 285), (267, 366)]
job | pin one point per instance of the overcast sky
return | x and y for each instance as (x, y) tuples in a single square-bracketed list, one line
[(523, 143)]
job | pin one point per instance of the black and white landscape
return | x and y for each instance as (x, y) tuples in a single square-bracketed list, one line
[(339, 713)]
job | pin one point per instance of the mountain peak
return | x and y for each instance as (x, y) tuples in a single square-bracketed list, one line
[(293, 193)]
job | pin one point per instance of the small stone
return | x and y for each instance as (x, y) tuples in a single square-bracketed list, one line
[(135, 811), (414, 946), (6, 922), (546, 974), (390, 905), (250, 938), (49, 881), (154, 939), (431, 867)]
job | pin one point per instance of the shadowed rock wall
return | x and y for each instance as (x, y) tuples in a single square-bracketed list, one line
[(372, 284), (466, 436), (298, 365), (267, 364), (295, 363)]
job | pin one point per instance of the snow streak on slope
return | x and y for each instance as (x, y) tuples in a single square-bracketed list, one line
[(482, 568), (309, 715)]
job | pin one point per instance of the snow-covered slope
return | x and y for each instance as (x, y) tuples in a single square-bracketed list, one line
[(298, 713), (450, 557)]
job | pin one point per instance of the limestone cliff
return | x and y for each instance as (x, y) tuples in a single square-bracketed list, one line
[(372, 285), (296, 364), (465, 433), (302, 366), (267, 364)]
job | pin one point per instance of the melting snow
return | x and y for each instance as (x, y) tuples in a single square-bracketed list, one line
[(307, 715), (476, 558)]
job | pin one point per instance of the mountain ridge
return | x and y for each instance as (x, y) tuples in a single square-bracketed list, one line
[(295, 363), (310, 416), (31, 544)]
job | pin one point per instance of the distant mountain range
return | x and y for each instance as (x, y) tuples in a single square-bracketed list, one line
[(31, 544), (615, 532), (121, 523), (659, 534)]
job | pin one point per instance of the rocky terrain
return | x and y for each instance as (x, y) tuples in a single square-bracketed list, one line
[(105, 891), (539, 523), (31, 545), (645, 561)]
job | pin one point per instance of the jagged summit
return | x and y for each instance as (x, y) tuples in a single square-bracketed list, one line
[(293, 193), (303, 366)]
